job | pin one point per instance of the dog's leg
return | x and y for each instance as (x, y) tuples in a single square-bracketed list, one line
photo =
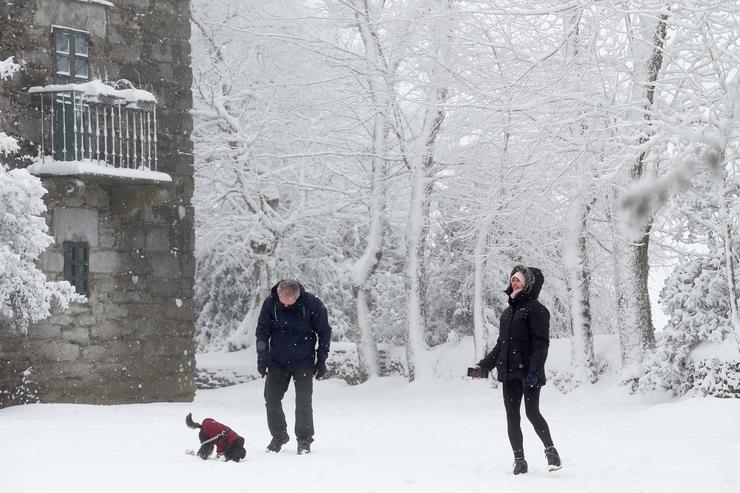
[(205, 450)]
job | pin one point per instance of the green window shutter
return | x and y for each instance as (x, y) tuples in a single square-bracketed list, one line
[(69, 261), (82, 267), (77, 265), (71, 55)]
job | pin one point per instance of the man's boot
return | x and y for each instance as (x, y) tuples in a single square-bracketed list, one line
[(277, 443), (304, 447)]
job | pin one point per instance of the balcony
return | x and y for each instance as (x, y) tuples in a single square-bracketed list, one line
[(98, 129)]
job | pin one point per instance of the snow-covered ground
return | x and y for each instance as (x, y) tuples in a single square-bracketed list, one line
[(383, 436)]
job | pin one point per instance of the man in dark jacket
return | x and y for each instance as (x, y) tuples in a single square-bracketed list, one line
[(519, 358), (290, 322)]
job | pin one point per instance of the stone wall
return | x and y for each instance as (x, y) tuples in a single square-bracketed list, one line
[(133, 340)]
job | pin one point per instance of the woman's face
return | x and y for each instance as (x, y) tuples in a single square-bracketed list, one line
[(516, 284)]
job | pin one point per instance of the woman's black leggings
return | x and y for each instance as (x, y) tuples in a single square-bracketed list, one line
[(513, 393)]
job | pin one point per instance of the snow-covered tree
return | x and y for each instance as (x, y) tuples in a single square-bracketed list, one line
[(25, 294)]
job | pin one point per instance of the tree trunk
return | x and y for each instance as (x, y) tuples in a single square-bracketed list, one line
[(726, 200), (639, 334), (421, 165), (579, 270), (364, 267), (367, 349), (479, 262), (582, 348)]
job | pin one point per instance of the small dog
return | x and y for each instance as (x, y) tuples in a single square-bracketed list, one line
[(212, 433)]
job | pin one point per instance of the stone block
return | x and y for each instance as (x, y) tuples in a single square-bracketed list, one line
[(106, 238), (106, 261), (110, 312), (75, 224), (157, 240), (165, 265), (44, 330), (129, 297), (59, 351), (124, 51), (129, 240), (51, 261), (97, 198), (79, 336), (105, 330), (80, 370), (85, 16), (94, 353), (164, 288)]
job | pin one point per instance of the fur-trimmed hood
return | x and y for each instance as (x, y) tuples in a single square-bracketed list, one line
[(534, 279)]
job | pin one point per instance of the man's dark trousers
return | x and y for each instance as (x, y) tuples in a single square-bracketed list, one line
[(276, 385)]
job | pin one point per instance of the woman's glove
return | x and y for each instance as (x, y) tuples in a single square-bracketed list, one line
[(530, 381)]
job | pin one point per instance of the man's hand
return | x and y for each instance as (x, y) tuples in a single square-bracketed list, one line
[(530, 381), (319, 369), (262, 369)]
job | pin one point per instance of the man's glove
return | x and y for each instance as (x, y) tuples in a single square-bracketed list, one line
[(319, 369), (530, 381), (262, 369)]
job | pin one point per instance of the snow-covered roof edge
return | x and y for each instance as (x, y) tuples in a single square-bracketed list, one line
[(87, 167)]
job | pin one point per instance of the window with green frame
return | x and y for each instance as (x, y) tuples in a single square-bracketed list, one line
[(77, 265), (71, 57)]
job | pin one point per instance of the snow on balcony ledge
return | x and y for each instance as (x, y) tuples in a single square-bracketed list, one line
[(105, 3), (98, 91), (49, 167)]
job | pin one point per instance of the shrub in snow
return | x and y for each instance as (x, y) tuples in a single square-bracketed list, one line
[(698, 352)]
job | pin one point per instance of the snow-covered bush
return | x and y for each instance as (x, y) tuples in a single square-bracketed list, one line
[(698, 351), (221, 296), (25, 294)]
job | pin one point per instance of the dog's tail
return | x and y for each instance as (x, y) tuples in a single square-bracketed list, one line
[(189, 421)]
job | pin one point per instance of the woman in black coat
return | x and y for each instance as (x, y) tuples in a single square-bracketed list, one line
[(519, 358)]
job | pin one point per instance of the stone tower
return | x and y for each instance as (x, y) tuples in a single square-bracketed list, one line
[(101, 109)]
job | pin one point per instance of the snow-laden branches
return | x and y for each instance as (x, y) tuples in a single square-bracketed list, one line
[(399, 156)]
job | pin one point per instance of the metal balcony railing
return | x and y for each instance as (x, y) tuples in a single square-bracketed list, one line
[(111, 125)]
